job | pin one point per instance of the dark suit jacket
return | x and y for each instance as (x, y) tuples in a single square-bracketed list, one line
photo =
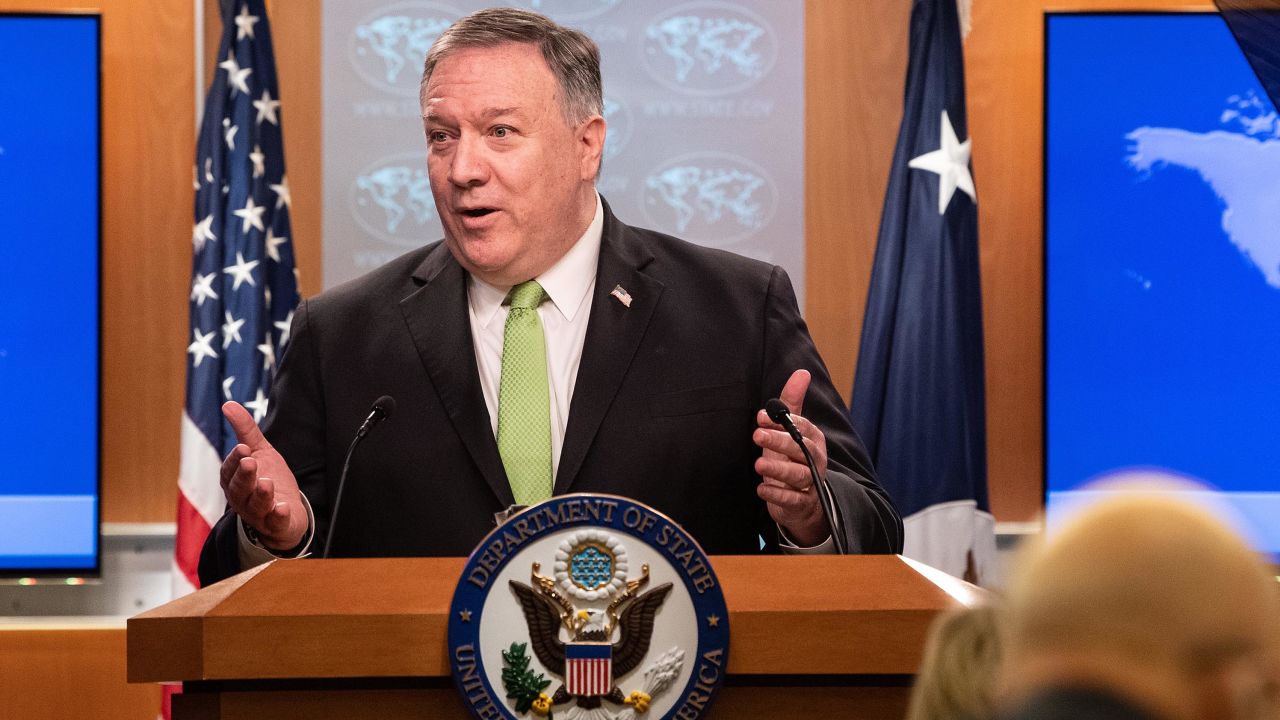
[(663, 408)]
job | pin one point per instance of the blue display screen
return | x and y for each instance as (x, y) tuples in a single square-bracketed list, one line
[(1162, 261), (50, 244)]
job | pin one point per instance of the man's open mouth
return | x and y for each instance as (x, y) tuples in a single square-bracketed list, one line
[(477, 212)]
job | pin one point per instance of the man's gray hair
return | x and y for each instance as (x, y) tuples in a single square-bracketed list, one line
[(573, 57)]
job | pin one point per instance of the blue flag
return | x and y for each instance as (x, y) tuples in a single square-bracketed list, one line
[(243, 282), (918, 398), (1256, 25)]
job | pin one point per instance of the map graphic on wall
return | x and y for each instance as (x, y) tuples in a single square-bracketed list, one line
[(704, 102), (1162, 262)]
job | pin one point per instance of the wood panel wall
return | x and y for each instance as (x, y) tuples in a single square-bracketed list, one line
[(66, 672), (856, 58)]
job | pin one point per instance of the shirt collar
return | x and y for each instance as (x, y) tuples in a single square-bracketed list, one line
[(566, 283)]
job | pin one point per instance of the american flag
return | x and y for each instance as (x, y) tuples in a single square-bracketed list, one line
[(243, 282), (588, 668)]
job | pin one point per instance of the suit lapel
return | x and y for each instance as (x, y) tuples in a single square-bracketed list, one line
[(614, 332), (436, 313)]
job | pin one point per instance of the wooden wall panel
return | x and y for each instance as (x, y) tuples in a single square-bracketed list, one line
[(69, 673), (855, 67), (295, 29)]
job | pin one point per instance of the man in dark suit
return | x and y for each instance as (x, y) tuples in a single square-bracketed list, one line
[(658, 353)]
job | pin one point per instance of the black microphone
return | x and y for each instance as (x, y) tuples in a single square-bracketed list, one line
[(381, 410), (778, 412)]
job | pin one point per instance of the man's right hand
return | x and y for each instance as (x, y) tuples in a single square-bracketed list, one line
[(259, 485)]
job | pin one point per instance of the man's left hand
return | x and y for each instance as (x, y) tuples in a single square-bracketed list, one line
[(788, 487)]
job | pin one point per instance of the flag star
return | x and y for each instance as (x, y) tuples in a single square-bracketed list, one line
[(203, 232), (245, 23), (251, 214), (236, 75), (242, 271), (273, 245), (258, 405), (226, 386), (267, 108), (231, 330), (951, 162), (208, 169), (257, 157), (284, 326), (229, 134), (202, 288), (268, 354), (200, 346), (282, 190)]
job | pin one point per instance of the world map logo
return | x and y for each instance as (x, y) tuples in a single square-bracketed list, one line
[(391, 200), (710, 197), (1238, 163), (709, 48), (388, 47)]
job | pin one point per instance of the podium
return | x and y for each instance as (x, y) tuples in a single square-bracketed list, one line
[(810, 636)]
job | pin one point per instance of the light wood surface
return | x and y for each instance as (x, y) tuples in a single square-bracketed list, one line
[(68, 673), (368, 638), (388, 618)]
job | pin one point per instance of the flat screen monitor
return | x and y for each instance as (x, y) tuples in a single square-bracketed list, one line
[(1162, 264), (50, 317)]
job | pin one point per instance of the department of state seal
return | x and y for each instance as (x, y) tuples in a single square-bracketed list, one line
[(588, 607)]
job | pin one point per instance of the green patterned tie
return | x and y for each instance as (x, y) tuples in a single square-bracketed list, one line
[(524, 412)]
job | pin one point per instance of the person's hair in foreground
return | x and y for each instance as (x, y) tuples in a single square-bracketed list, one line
[(958, 671), (1148, 601), (573, 57)]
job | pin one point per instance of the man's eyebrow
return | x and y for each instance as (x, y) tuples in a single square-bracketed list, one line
[(486, 115)]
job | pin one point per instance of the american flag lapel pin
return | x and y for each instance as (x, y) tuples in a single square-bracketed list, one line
[(622, 295)]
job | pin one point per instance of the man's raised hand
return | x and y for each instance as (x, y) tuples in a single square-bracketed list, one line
[(259, 485)]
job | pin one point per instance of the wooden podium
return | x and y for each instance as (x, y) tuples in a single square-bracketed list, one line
[(811, 636)]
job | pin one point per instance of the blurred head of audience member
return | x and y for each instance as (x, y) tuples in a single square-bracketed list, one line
[(1141, 607), (957, 674)]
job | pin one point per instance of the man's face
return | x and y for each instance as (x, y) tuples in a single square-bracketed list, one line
[(512, 180)]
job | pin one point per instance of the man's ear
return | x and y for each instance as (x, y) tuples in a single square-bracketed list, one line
[(591, 144)]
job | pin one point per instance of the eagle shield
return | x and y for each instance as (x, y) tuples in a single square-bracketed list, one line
[(588, 668)]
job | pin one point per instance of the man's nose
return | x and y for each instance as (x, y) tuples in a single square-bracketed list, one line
[(469, 165)]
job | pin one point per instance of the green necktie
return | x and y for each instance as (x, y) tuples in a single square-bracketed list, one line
[(524, 411)]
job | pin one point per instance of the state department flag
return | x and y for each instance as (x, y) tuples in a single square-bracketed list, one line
[(918, 398)]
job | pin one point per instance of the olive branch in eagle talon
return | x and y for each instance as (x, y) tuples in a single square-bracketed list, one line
[(522, 684), (546, 610)]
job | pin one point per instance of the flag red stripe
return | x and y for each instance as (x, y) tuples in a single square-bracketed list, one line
[(192, 531)]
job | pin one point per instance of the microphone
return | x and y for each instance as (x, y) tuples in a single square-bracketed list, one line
[(381, 410), (777, 412)]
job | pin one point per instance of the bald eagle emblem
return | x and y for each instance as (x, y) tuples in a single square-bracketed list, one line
[(578, 643)]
